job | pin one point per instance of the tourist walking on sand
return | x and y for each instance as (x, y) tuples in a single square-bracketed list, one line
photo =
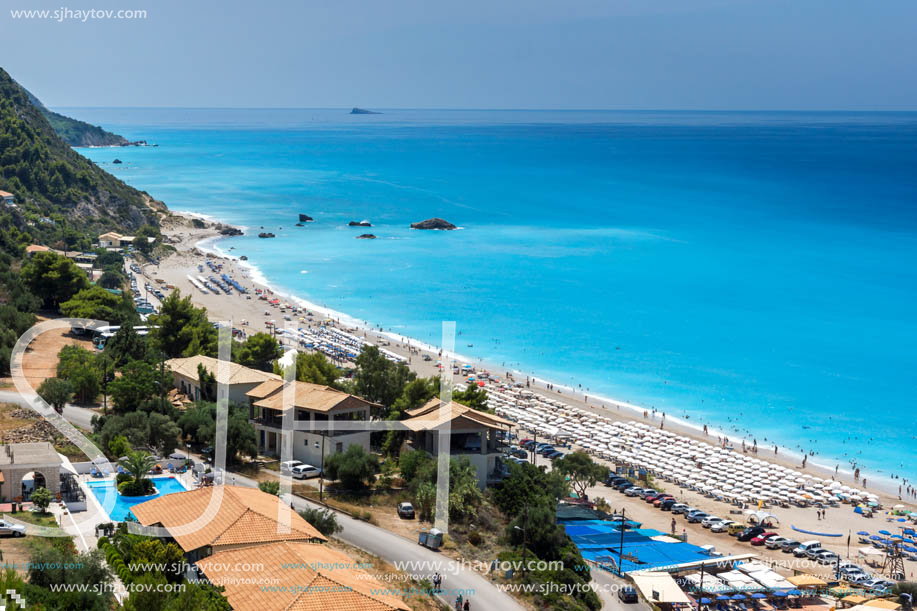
[(673, 526)]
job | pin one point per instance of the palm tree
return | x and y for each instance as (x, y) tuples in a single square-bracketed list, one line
[(137, 463)]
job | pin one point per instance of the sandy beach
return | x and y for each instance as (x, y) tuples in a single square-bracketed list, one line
[(250, 315)]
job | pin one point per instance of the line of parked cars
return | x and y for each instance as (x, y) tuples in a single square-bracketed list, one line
[(755, 535), (544, 449)]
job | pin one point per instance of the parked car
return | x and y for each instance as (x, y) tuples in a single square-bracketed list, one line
[(878, 585), (860, 578), (614, 480), (633, 491), (805, 547), (789, 546), (775, 542), (750, 533), (721, 527), (286, 467), (11, 530), (546, 450), (519, 453), (710, 520), (554, 455), (697, 516), (657, 502), (762, 538), (627, 594), (735, 529), (667, 504), (679, 508), (306, 471), (624, 486), (405, 511), (648, 492), (826, 557)]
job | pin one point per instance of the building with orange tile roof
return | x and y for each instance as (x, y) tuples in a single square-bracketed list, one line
[(472, 433), (241, 378), (313, 404), (239, 518), (295, 575)]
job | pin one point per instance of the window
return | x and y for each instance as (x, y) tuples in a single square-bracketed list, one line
[(338, 448)]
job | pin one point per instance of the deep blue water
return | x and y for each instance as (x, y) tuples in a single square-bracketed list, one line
[(750, 270)]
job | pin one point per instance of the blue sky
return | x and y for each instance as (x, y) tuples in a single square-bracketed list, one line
[(630, 54)]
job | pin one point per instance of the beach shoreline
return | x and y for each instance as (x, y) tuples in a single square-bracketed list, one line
[(194, 246)]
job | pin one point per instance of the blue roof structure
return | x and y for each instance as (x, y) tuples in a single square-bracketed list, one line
[(600, 542)]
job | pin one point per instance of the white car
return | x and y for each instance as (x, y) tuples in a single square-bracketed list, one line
[(775, 542), (709, 521), (721, 526), (287, 467), (12, 530), (826, 557), (306, 471)]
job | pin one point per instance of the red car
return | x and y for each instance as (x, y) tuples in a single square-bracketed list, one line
[(760, 539), (649, 498), (657, 502)]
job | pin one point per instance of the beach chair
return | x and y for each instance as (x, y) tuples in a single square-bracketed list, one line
[(171, 468), (120, 469), (93, 472)]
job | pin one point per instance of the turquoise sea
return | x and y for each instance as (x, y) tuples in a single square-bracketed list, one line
[(753, 271)]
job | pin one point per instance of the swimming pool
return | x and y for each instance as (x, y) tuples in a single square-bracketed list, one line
[(123, 504)]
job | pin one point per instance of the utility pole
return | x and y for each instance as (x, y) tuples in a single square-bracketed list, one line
[(621, 549), (321, 476), (701, 586)]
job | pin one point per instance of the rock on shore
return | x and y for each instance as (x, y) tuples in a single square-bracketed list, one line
[(434, 223)]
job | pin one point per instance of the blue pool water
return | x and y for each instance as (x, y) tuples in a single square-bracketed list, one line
[(105, 491), (751, 271)]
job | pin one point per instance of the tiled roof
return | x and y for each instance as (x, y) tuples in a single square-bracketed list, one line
[(314, 397), (428, 416), (243, 516), (238, 374), (316, 578)]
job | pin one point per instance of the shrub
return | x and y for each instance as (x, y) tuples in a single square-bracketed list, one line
[(474, 538), (323, 520), (143, 487), (271, 487), (123, 477), (41, 498)]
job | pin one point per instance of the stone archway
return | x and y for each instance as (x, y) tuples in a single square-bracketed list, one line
[(32, 481)]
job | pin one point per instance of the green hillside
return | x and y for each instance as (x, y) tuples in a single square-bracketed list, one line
[(62, 198), (76, 132)]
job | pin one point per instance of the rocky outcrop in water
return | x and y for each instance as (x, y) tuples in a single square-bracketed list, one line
[(434, 223), (305, 218), (366, 236), (363, 111), (267, 234), (228, 230), (360, 224)]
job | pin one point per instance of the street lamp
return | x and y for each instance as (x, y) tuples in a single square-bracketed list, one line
[(525, 541)]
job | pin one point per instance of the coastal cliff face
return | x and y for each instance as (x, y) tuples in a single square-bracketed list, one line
[(75, 132), (57, 191)]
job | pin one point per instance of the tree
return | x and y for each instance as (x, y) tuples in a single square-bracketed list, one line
[(325, 521), (135, 426), (270, 486), (138, 382), (57, 566), (41, 499), (53, 278), (527, 485), (110, 280), (417, 466), (80, 368), (164, 433), (378, 379), (473, 397), (259, 351), (137, 464), (464, 494), (97, 303), (315, 368), (426, 500), (199, 422), (582, 471), (126, 345), (180, 329), (119, 446), (415, 394), (56, 392), (355, 468)]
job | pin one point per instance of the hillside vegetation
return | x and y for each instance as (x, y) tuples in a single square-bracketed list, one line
[(62, 198), (75, 132)]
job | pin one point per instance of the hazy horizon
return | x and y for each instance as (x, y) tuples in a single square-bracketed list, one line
[(720, 55)]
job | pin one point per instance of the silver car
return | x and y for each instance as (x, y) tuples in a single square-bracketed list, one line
[(11, 530)]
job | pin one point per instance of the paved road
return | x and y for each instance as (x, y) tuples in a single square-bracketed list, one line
[(396, 549), (79, 416)]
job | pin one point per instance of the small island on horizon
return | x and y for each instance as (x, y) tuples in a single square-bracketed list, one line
[(363, 111)]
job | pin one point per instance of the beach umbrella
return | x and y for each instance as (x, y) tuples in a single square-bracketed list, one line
[(863, 533), (779, 593), (705, 601), (884, 532), (759, 595), (722, 597), (739, 597)]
